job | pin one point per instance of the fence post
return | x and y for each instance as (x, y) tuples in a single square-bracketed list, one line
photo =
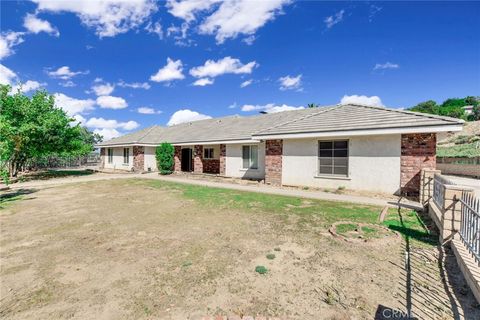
[(426, 185), (452, 210)]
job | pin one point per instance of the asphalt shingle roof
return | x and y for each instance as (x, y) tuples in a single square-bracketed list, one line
[(323, 119)]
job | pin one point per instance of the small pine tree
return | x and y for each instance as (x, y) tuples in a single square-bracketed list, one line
[(164, 155)]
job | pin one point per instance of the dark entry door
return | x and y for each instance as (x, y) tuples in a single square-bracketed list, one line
[(187, 159)]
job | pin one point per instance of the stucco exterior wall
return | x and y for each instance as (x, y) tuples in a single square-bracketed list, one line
[(150, 161), (374, 164), (117, 163), (233, 166)]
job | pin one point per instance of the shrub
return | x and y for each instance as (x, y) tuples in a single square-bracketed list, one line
[(261, 269), (270, 256), (164, 156)]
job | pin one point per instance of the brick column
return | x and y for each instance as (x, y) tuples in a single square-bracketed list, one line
[(138, 158), (223, 159), (102, 157), (177, 166), (198, 159), (273, 161), (418, 152)]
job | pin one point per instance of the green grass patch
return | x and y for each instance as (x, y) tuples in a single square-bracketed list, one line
[(318, 212), (8, 198), (345, 227)]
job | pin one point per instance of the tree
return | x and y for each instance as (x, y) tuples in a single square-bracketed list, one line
[(429, 106), (312, 105), (33, 127), (164, 155)]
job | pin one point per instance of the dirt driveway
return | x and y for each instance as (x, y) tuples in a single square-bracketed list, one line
[(136, 249)]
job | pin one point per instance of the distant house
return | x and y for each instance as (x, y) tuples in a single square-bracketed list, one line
[(353, 146), (468, 110)]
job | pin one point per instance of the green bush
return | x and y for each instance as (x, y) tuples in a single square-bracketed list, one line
[(261, 269), (164, 156)]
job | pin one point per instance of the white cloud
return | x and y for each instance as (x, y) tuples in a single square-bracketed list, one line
[(7, 76), (8, 40), (148, 110), (134, 85), (28, 86), (186, 9), (386, 65), (73, 106), (203, 82), (107, 134), (333, 20), (362, 100), (232, 106), (186, 115), (246, 83), (107, 17), (171, 71), (155, 28), (223, 66), (270, 108), (111, 102), (36, 25), (103, 89), (290, 82), (65, 73), (67, 84), (233, 18), (101, 123), (79, 120), (250, 39)]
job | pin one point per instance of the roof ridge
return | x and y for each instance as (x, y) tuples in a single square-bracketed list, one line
[(418, 114), (146, 133), (326, 109)]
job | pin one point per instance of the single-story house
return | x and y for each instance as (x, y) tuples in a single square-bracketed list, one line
[(352, 146)]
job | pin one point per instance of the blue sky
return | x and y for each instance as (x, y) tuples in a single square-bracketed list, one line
[(118, 65)]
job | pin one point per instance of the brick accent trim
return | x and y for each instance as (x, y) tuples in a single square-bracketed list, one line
[(177, 159), (273, 161), (198, 158), (223, 159), (138, 158), (418, 152), (103, 151), (211, 166)]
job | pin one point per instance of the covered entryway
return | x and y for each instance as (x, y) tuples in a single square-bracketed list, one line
[(187, 160)]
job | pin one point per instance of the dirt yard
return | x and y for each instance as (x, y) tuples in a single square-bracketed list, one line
[(136, 249)]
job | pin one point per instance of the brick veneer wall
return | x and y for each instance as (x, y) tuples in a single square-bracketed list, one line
[(102, 157), (418, 152), (138, 158), (211, 166), (273, 161), (177, 159), (223, 159), (198, 158)]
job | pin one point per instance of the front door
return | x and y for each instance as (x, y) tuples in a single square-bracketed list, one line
[(187, 159)]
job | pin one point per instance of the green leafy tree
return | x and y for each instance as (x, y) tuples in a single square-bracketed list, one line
[(429, 106), (33, 127), (312, 105), (164, 154)]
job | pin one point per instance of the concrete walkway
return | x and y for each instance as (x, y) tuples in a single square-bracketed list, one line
[(308, 194)]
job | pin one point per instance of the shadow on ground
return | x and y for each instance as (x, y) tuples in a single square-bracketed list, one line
[(12, 196)]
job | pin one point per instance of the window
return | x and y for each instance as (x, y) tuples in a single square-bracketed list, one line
[(208, 153), (250, 157), (110, 155), (126, 155), (333, 157)]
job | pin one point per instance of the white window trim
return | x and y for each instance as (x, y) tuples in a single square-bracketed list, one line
[(250, 157), (128, 157), (333, 176), (213, 154)]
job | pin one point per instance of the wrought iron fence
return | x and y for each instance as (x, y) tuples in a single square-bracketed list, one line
[(92, 159), (470, 224)]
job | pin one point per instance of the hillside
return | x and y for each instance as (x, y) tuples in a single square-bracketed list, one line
[(465, 143)]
